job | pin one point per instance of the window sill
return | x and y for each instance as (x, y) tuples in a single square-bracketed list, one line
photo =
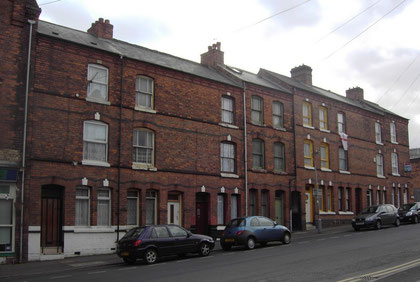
[(396, 174), (258, 124), (326, 169), (228, 125), (99, 101), (344, 172), (324, 130), (327, 213), (308, 126), (281, 172), (280, 128), (141, 166), (381, 176), (379, 143), (95, 163), (396, 143), (261, 170), (346, 213), (146, 110), (90, 229), (309, 167), (229, 175)]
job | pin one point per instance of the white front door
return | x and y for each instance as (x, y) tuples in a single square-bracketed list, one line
[(173, 213), (308, 206)]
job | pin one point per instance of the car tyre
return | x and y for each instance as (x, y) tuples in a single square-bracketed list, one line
[(397, 222), (129, 260), (286, 238), (226, 247), (378, 225), (415, 219), (250, 243), (150, 256), (204, 249)]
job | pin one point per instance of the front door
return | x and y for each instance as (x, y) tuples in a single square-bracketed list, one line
[(173, 213), (279, 207), (358, 204), (51, 219), (308, 207), (201, 215)]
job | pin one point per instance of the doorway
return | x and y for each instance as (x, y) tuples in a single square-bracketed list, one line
[(279, 207), (52, 219), (358, 200), (202, 213)]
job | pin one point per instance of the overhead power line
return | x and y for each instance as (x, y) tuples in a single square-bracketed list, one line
[(366, 29), (49, 2), (346, 22), (405, 93)]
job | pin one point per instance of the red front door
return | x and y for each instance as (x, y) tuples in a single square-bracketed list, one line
[(201, 216)]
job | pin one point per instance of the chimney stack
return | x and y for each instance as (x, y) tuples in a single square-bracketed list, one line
[(101, 29), (355, 93), (213, 57), (302, 74)]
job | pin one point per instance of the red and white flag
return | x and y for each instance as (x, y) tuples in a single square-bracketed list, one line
[(343, 137)]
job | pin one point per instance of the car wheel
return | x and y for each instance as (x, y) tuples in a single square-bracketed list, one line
[(150, 256), (286, 238), (378, 225), (415, 219), (397, 222), (129, 260), (226, 247), (204, 249), (250, 243)]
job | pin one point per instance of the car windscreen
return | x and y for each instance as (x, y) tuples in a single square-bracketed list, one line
[(133, 233), (236, 222), (373, 209), (406, 207)]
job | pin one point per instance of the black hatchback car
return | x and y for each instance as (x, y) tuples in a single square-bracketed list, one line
[(409, 212), (152, 242), (376, 217)]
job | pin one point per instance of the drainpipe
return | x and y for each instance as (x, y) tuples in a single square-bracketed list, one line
[(119, 147), (25, 122), (294, 153), (245, 150)]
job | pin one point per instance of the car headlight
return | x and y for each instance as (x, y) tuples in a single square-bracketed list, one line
[(371, 218), (410, 213), (353, 220)]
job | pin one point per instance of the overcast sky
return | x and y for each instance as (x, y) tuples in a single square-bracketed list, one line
[(374, 44)]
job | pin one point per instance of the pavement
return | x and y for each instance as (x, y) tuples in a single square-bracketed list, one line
[(74, 263)]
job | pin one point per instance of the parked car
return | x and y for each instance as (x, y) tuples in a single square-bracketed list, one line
[(152, 242), (248, 231), (409, 212), (376, 217)]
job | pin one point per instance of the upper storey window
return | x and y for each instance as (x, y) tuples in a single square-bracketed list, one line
[(97, 84), (307, 114), (278, 113), (227, 110), (95, 142), (144, 92), (378, 133), (393, 131), (341, 123), (257, 110), (323, 118)]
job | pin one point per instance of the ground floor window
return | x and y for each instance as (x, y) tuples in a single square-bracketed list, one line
[(340, 198), (234, 206), (82, 206), (151, 203), (264, 203), (378, 197), (220, 209), (348, 199), (7, 195), (369, 197), (252, 202), (104, 207), (132, 207)]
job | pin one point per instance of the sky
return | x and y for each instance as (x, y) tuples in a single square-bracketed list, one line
[(373, 44)]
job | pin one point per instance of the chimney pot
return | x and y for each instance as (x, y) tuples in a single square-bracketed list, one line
[(101, 29), (214, 56), (355, 93)]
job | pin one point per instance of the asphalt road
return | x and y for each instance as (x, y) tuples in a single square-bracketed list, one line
[(390, 254)]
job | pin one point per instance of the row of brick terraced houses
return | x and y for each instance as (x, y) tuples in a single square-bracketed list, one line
[(114, 135)]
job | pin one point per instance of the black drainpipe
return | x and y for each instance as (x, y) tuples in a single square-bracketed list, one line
[(119, 147), (294, 150)]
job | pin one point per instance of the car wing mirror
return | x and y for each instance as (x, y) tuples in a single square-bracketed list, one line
[(275, 223), (189, 234)]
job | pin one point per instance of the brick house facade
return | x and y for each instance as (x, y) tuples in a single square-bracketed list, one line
[(119, 135)]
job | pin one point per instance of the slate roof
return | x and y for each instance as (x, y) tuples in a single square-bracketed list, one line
[(253, 78), (365, 104), (131, 51)]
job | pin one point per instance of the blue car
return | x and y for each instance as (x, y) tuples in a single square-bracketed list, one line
[(247, 231)]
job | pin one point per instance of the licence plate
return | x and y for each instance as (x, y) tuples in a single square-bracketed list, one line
[(125, 254), (359, 223), (230, 240)]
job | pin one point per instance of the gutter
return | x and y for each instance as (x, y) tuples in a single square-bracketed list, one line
[(25, 123), (245, 150)]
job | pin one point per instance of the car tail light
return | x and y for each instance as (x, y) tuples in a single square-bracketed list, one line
[(137, 243), (239, 232)]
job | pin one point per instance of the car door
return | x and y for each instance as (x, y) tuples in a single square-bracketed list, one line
[(256, 229), (164, 241), (269, 231), (182, 241)]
